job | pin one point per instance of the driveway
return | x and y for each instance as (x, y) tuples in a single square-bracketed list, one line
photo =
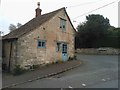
[(96, 71)]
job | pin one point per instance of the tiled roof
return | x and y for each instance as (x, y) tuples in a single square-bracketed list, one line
[(31, 25)]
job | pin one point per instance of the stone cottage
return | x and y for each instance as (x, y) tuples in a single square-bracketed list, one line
[(44, 39)]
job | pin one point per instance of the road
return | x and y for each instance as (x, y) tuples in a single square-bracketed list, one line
[(96, 71)]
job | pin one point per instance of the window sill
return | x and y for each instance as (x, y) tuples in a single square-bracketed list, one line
[(41, 47)]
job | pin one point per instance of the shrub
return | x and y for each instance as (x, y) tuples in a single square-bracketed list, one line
[(75, 57), (56, 62), (72, 58), (35, 66), (17, 70), (61, 61), (53, 62)]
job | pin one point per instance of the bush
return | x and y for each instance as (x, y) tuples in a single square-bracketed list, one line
[(61, 61), (75, 57), (53, 62), (72, 58), (17, 70), (35, 66), (57, 62)]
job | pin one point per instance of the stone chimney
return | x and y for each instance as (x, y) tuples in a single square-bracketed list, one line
[(38, 10)]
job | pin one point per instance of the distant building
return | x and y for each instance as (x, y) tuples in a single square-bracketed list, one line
[(44, 39)]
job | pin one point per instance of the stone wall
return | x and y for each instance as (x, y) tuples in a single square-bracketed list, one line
[(28, 52), (99, 51)]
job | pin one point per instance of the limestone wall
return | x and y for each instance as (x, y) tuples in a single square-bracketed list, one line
[(28, 52), (99, 51)]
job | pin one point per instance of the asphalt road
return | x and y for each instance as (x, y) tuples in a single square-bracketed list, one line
[(96, 71)]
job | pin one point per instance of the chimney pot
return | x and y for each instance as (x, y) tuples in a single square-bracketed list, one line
[(38, 10)]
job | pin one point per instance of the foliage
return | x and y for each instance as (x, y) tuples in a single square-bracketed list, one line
[(19, 25), (17, 70), (92, 30), (112, 38), (13, 27), (35, 66), (57, 62), (72, 58), (60, 61)]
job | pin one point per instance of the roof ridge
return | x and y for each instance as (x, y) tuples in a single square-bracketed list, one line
[(54, 11), (32, 24)]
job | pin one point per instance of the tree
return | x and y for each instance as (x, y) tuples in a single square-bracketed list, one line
[(112, 39), (13, 27), (19, 25), (94, 28)]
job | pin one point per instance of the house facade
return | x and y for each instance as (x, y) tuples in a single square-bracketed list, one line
[(44, 39)]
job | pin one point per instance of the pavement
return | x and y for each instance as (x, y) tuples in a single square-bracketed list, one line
[(9, 80)]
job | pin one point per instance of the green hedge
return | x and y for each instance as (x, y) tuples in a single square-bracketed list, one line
[(108, 42), (111, 41)]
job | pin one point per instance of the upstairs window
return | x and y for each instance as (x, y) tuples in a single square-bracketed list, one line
[(41, 43), (62, 24)]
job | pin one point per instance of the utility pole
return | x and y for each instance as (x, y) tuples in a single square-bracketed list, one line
[(119, 14)]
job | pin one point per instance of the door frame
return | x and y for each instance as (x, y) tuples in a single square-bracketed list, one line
[(64, 52)]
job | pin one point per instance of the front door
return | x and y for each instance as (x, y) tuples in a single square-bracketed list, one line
[(64, 52)]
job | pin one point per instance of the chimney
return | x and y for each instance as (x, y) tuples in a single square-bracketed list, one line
[(38, 10)]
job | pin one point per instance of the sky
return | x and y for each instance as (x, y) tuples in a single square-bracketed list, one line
[(22, 11)]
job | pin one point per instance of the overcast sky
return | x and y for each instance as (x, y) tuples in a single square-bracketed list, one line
[(14, 11)]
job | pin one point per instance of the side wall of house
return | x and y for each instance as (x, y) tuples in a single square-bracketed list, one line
[(56, 34), (28, 51)]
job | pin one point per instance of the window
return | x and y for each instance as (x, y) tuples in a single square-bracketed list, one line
[(64, 48), (58, 47), (41, 43), (63, 24)]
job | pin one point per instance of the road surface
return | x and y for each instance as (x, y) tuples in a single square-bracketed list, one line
[(96, 71)]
